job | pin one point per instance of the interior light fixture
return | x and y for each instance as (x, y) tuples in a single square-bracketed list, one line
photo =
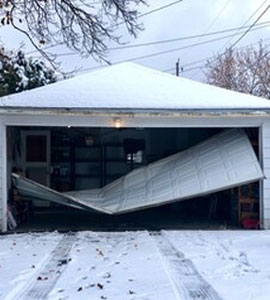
[(117, 122)]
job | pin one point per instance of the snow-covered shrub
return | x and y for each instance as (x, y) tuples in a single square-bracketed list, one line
[(18, 73)]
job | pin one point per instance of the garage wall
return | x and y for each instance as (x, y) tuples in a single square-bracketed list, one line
[(1, 176), (2, 179), (265, 138)]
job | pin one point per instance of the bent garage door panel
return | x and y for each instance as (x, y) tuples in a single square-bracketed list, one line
[(223, 161)]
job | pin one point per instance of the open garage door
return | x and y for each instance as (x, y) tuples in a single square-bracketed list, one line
[(221, 162)]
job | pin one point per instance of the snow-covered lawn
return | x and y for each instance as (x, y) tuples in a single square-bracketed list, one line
[(235, 263), (21, 256), (134, 265)]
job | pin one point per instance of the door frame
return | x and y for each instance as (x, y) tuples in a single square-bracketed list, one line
[(24, 163)]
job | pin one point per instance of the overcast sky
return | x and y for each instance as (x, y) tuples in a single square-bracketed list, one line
[(186, 18)]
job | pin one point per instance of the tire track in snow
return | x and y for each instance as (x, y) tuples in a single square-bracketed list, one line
[(44, 280), (186, 279)]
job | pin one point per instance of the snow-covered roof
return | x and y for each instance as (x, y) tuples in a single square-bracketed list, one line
[(131, 86)]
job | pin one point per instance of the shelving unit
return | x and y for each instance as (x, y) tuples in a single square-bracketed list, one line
[(248, 202), (249, 195), (61, 163), (114, 159), (87, 166), (76, 165)]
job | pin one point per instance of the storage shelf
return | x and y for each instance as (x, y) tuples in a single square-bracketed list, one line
[(86, 161), (248, 203), (87, 175), (96, 161), (103, 158), (58, 162), (61, 147)]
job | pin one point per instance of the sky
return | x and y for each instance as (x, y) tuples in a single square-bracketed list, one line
[(185, 18)]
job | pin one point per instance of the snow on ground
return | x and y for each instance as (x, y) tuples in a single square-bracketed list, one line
[(118, 266), (235, 263), (21, 256), (130, 265)]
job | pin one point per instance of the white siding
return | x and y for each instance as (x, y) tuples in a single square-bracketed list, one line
[(265, 210), (2, 179), (1, 176)]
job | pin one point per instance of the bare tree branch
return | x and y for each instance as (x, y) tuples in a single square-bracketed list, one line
[(246, 71), (82, 25)]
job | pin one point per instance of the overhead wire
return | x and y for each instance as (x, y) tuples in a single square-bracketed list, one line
[(247, 20), (213, 22), (248, 30), (159, 42), (169, 50), (218, 15), (251, 26), (159, 9), (239, 31), (139, 16), (207, 59), (258, 60)]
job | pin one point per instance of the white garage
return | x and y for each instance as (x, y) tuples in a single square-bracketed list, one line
[(92, 131)]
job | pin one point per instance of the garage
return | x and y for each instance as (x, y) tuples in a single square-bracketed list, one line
[(88, 132)]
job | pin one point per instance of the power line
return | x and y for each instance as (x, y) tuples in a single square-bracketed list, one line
[(251, 26), (153, 10), (184, 47), (258, 60), (170, 50), (213, 22), (249, 29), (237, 49), (248, 19), (146, 44), (139, 16), (204, 65), (208, 58), (218, 15), (183, 38), (158, 9)]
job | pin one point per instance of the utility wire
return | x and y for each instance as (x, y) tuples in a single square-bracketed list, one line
[(248, 30), (158, 9), (208, 59), (251, 26), (249, 18), (184, 38), (184, 47), (170, 50), (146, 44), (258, 60), (139, 16), (218, 15), (204, 65), (212, 23)]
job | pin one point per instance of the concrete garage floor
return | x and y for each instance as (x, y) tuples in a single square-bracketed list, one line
[(166, 217)]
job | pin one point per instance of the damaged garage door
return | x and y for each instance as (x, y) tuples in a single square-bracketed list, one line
[(221, 162)]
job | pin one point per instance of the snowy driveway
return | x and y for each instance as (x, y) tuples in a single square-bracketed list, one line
[(136, 265)]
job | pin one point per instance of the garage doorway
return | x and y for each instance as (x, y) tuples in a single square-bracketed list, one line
[(78, 158)]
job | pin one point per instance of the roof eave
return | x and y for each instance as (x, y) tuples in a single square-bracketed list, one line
[(165, 112)]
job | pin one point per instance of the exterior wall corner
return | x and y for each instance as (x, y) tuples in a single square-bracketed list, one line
[(265, 188), (3, 176)]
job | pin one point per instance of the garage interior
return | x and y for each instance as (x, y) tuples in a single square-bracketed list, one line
[(78, 158)]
